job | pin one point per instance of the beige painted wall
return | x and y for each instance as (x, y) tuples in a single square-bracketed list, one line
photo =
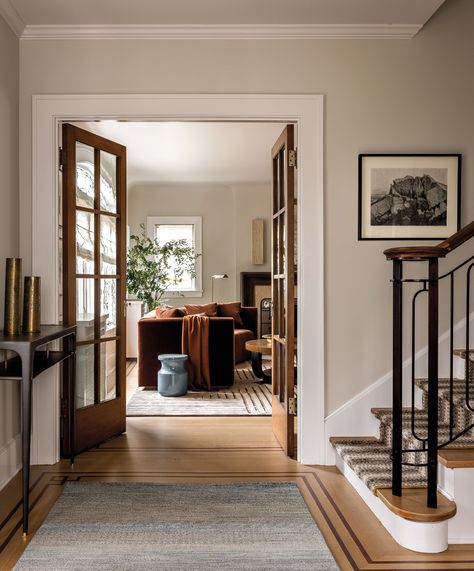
[(226, 212), (9, 62), (381, 96)]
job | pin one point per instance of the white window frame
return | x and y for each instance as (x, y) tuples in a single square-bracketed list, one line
[(196, 221)]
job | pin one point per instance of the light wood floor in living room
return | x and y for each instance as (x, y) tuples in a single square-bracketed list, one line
[(217, 449)]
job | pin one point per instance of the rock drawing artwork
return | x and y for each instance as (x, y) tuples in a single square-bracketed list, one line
[(411, 197)]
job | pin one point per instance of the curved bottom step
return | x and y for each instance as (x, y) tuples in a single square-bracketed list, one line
[(411, 505), (419, 536)]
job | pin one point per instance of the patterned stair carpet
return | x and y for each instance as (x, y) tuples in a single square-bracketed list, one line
[(370, 458), (173, 527), (244, 398)]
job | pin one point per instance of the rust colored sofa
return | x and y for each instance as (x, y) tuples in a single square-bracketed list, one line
[(161, 335)]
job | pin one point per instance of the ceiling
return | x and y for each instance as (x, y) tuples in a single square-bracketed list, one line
[(217, 18), (191, 152)]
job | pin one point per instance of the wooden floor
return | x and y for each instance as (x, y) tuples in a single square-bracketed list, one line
[(198, 449)]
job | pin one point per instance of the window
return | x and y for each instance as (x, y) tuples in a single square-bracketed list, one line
[(189, 228)]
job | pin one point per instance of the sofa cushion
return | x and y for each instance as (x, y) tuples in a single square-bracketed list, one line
[(241, 336), (165, 312), (210, 309), (231, 309)]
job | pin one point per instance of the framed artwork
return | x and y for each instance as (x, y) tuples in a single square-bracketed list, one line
[(415, 197)]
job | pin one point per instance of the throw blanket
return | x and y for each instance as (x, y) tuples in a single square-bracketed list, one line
[(195, 344)]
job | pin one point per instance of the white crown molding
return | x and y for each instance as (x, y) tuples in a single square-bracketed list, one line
[(220, 32), (11, 17)]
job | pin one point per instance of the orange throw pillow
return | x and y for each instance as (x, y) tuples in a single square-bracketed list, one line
[(210, 309), (232, 310), (165, 312)]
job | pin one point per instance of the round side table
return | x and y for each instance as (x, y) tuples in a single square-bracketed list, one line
[(259, 347)]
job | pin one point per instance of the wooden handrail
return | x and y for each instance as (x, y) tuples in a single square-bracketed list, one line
[(421, 253)]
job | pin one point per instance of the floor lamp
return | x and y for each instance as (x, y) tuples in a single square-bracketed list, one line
[(216, 277)]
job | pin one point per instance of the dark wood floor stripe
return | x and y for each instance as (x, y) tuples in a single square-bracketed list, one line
[(331, 526)]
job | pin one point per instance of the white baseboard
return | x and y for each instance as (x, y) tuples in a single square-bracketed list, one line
[(10, 460), (353, 418)]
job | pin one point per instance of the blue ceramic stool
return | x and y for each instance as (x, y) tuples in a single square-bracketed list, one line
[(172, 377)]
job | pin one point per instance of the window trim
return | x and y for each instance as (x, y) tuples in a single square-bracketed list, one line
[(196, 221)]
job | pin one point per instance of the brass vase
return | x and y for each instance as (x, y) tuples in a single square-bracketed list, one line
[(12, 324), (32, 305)]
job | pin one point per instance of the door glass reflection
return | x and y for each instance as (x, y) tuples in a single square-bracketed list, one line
[(85, 192), (108, 182), (85, 309), (108, 308), (84, 242), (108, 370), (84, 376), (108, 245)]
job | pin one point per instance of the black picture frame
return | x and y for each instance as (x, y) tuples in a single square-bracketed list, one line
[(403, 198)]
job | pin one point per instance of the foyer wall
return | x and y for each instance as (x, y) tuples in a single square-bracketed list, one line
[(381, 96), (226, 227), (9, 77)]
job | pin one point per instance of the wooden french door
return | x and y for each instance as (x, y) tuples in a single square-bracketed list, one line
[(94, 242), (283, 290)]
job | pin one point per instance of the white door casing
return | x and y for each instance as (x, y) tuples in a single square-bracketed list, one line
[(306, 111)]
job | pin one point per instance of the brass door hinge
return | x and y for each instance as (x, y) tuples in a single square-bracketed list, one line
[(61, 158), (292, 406), (292, 158)]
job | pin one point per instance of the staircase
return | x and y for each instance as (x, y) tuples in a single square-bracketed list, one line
[(399, 474), (370, 458)]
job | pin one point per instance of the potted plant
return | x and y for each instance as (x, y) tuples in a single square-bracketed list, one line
[(153, 267)]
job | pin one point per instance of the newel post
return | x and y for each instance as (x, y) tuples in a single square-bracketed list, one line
[(433, 318), (397, 377)]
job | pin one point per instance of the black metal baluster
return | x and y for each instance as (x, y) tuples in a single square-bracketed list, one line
[(397, 377), (451, 357), (432, 383), (467, 355)]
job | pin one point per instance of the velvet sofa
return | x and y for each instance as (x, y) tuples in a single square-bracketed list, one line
[(227, 338)]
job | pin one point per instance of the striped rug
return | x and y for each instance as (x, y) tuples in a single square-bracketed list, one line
[(244, 398), (178, 527)]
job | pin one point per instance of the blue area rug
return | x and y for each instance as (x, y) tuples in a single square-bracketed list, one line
[(171, 527)]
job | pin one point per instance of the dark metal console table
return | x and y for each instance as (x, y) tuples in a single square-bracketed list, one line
[(28, 364)]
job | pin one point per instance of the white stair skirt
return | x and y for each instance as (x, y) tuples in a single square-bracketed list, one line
[(458, 484), (417, 536)]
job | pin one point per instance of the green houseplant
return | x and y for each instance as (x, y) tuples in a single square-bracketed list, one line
[(153, 267)]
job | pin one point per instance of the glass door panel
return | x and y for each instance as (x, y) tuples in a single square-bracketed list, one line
[(85, 193), (108, 372), (108, 245), (108, 308), (108, 182), (84, 242), (85, 309), (85, 376)]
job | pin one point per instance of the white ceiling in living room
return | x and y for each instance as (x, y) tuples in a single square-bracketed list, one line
[(218, 18), (193, 152)]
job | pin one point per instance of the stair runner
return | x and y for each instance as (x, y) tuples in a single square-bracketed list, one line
[(370, 458)]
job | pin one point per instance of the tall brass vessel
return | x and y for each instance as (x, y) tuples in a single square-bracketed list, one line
[(12, 324), (32, 305)]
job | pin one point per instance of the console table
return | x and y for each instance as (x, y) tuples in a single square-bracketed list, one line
[(31, 360)]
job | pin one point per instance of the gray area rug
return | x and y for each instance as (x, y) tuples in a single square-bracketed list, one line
[(176, 527), (244, 398)]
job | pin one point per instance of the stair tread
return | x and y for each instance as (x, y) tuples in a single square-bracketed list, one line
[(411, 505), (457, 457)]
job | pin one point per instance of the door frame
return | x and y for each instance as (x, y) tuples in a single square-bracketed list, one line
[(305, 111)]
